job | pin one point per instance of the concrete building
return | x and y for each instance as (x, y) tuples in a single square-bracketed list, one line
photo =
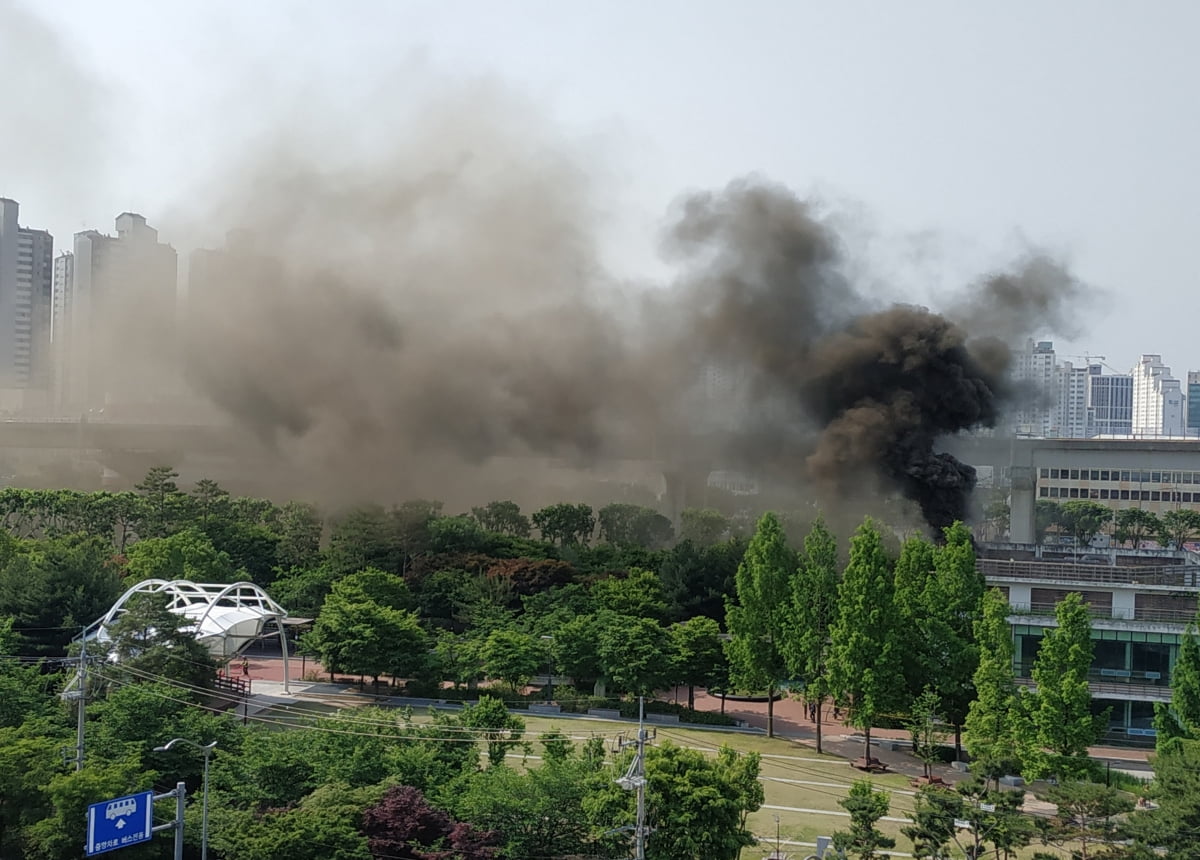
[(1109, 403), (26, 265), (117, 307), (1141, 604), (1069, 412), (1158, 402), (1193, 403), (1034, 371)]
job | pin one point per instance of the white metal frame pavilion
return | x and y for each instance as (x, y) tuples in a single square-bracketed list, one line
[(225, 617)]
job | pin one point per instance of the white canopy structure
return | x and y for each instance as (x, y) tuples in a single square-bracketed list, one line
[(225, 618)]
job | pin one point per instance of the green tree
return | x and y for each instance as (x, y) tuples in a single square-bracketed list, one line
[(1170, 829), (699, 654), (1135, 525), (1061, 712), (758, 622), (53, 588), (1088, 816), (165, 504), (865, 672), (1083, 519), (512, 657), (953, 600), (1178, 527), (565, 524), (495, 726), (992, 817), (994, 719), (698, 804), (924, 726), (376, 586), (299, 529), (209, 501), (813, 610), (577, 649), (864, 839), (702, 526), (635, 653), (638, 594), (1181, 718), (911, 578), (1046, 515), (188, 554), (538, 813), (29, 758), (364, 638), (696, 579), (634, 525), (503, 518), (150, 642)]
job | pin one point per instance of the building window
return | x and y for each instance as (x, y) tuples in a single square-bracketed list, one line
[(1104, 474), (1044, 492), (1074, 492), (1045, 473), (1054, 492), (1155, 496), (1095, 474), (1054, 473), (1156, 477), (1074, 474), (1124, 495), (1104, 494)]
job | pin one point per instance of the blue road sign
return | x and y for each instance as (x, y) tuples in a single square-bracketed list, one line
[(120, 822)]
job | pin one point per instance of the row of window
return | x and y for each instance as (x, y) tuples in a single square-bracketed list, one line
[(1118, 495), (1125, 476)]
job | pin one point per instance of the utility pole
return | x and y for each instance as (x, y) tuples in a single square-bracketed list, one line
[(80, 710), (635, 780), (79, 695)]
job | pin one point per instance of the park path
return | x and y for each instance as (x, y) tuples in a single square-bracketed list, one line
[(791, 717)]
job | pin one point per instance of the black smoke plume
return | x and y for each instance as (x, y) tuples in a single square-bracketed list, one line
[(407, 322), (876, 387)]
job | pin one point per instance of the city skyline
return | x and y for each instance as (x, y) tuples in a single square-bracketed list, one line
[(1038, 149)]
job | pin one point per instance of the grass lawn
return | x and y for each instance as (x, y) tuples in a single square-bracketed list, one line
[(800, 787)]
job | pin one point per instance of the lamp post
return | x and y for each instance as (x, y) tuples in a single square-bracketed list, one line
[(206, 749), (549, 668)]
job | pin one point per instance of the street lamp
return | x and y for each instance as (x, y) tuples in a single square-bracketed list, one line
[(206, 749), (549, 668)]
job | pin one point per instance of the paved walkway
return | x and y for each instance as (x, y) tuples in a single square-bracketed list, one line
[(791, 717)]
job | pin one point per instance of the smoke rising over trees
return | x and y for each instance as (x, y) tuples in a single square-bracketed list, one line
[(409, 314)]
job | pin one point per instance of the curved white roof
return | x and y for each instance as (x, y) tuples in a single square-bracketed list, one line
[(224, 617)]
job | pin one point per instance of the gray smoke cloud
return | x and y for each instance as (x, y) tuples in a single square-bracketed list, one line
[(448, 307)]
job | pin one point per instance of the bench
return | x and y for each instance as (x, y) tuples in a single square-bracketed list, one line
[(870, 765)]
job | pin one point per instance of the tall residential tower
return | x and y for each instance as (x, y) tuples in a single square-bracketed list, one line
[(26, 276)]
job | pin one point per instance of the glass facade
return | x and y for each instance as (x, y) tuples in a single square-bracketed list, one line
[(1124, 657), (1193, 402), (1109, 404)]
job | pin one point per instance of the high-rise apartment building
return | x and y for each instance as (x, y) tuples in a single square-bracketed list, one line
[(26, 261), (1069, 412), (1158, 401), (117, 305), (1193, 403), (1034, 371), (1109, 403)]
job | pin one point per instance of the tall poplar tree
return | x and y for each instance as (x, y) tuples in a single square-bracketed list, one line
[(758, 622), (1062, 713), (814, 608), (865, 672), (1181, 718), (994, 717)]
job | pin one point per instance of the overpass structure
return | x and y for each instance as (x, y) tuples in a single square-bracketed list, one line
[(83, 435), (1153, 473)]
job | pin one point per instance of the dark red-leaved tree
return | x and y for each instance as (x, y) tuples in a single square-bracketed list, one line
[(404, 826)]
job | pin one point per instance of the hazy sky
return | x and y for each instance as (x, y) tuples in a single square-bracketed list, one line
[(948, 135)]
